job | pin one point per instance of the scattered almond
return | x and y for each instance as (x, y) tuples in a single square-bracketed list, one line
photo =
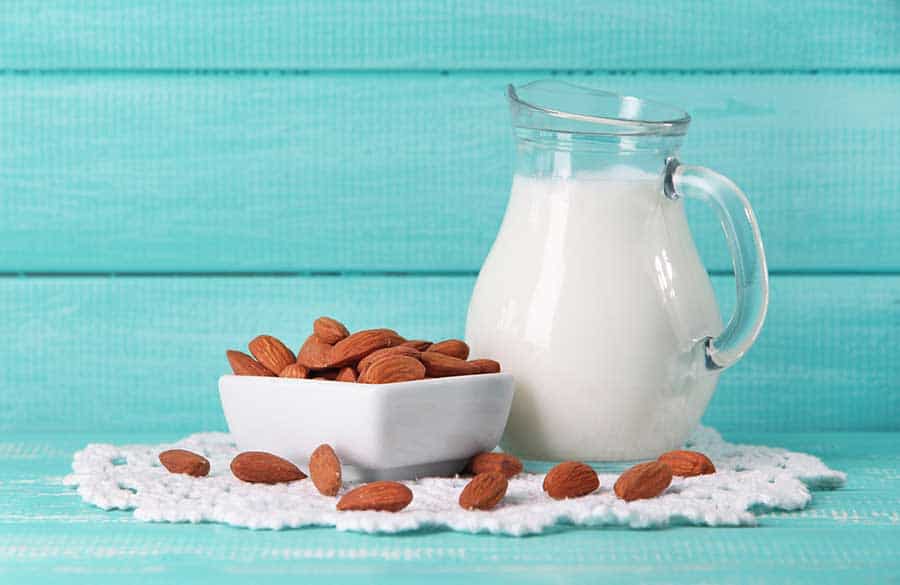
[(346, 374), (484, 492), (439, 365), (261, 467), (350, 351), (393, 368), (186, 462), (419, 344), (364, 363), (388, 496), (271, 352), (294, 371), (571, 479), (687, 463), (244, 365), (486, 366), (455, 347), (508, 465), (329, 330), (325, 470), (315, 354), (645, 480)]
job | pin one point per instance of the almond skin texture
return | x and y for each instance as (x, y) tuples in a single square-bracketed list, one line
[(484, 492), (315, 354), (325, 470), (439, 365), (455, 347), (687, 463), (346, 374), (244, 365), (419, 344), (329, 330), (270, 352), (508, 465), (400, 340), (393, 368), (644, 480), (262, 467), (571, 479), (181, 461), (294, 371), (387, 496), (486, 366), (349, 351), (376, 355)]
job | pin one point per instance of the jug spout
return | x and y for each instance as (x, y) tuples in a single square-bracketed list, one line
[(566, 107), (563, 129)]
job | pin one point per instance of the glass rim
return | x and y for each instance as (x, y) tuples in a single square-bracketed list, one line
[(674, 123)]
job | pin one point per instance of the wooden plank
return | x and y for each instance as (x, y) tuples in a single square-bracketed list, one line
[(848, 535), (402, 172), (415, 34), (144, 353)]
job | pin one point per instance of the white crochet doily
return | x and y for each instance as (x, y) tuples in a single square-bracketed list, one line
[(749, 479)]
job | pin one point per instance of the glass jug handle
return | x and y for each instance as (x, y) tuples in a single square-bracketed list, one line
[(747, 256)]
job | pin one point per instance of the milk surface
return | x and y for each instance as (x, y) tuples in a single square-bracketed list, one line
[(593, 297)]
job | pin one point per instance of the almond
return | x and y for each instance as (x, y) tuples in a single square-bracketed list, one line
[(393, 368), (455, 347), (270, 352), (294, 371), (439, 365), (261, 467), (399, 338), (571, 479), (687, 463), (325, 470), (484, 491), (644, 480), (244, 365), (346, 374), (315, 354), (486, 366), (181, 461), (364, 363), (388, 496), (351, 350), (419, 344), (508, 465), (329, 330)]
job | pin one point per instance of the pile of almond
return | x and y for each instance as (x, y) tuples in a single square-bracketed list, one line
[(492, 471), (371, 356)]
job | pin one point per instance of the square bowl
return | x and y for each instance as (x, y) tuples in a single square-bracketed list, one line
[(403, 430)]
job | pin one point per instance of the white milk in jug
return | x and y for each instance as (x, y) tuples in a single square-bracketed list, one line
[(593, 297)]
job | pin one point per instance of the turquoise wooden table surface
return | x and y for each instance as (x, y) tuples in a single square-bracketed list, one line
[(177, 177), (849, 536)]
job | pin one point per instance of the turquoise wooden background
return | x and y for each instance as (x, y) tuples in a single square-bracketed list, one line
[(176, 177)]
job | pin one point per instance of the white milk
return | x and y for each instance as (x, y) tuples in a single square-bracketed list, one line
[(593, 296)]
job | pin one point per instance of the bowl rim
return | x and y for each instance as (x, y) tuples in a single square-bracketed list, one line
[(340, 385)]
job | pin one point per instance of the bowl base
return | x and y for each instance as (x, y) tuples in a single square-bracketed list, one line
[(355, 473)]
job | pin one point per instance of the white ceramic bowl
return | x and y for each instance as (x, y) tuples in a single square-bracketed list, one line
[(403, 430)]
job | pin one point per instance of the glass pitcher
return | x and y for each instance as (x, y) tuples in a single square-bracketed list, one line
[(593, 295)]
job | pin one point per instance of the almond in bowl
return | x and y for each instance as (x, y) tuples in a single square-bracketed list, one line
[(392, 408)]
